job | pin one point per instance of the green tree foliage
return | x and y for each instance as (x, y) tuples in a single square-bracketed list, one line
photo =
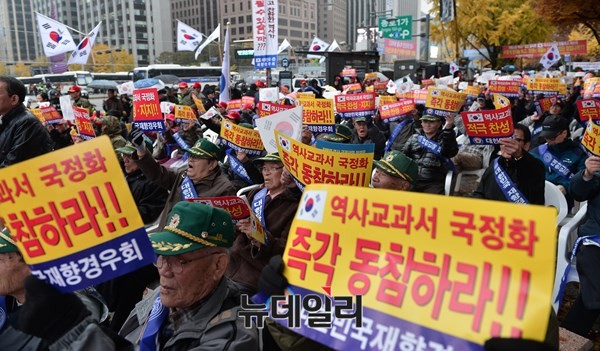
[(489, 24), (569, 14)]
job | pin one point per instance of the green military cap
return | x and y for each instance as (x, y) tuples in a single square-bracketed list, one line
[(246, 125), (192, 226), (205, 149), (7, 244), (397, 164), (268, 158), (342, 134), (129, 149), (430, 118)]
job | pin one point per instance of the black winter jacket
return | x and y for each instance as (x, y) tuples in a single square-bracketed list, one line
[(22, 136)]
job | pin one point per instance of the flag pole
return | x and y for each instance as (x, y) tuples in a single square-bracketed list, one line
[(71, 28)]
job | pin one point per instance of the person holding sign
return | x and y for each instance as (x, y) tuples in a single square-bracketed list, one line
[(563, 157), (202, 177), (395, 171), (195, 307), (22, 135), (432, 149), (585, 186), (515, 176), (21, 325), (274, 205), (365, 132)]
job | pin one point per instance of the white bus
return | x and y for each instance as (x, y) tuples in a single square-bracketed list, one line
[(189, 74), (64, 81), (118, 77)]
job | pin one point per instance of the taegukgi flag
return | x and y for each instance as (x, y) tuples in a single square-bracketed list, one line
[(317, 45), (56, 38), (84, 48), (188, 38), (216, 34), (551, 57), (225, 75), (331, 48)]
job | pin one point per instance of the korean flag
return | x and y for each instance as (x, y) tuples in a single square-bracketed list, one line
[(312, 206), (551, 57)]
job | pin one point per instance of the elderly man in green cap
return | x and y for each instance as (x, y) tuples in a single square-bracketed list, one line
[(195, 307), (395, 171), (201, 178)]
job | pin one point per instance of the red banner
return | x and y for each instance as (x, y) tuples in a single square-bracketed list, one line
[(50, 114), (269, 108), (83, 123), (146, 110), (589, 108), (395, 111), (508, 88), (575, 47), (488, 127), (400, 48)]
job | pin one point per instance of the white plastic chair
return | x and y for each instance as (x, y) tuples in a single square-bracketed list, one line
[(448, 183), (566, 239), (577, 133), (555, 198), (245, 190)]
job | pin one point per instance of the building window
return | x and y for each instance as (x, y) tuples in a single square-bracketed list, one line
[(233, 31), (241, 30), (232, 7), (225, 8), (240, 19), (241, 6), (232, 20), (249, 18)]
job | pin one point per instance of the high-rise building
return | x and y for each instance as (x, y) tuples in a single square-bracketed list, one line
[(18, 30), (297, 22), (333, 21), (202, 15)]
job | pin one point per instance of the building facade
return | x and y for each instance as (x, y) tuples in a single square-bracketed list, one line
[(19, 31), (297, 22), (333, 21)]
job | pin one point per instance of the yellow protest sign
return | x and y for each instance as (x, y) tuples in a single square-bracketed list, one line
[(71, 214), (185, 113), (387, 99), (240, 138), (441, 102), (38, 113), (302, 95), (546, 85), (591, 138), (450, 271), (317, 114), (199, 104), (472, 91), (309, 165)]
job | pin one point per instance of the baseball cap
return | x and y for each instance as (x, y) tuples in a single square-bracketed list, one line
[(397, 164), (74, 89), (183, 85), (553, 125), (197, 85), (234, 115)]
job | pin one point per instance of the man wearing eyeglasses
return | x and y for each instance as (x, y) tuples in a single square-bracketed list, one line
[(195, 307), (515, 176), (199, 305), (274, 205), (201, 178)]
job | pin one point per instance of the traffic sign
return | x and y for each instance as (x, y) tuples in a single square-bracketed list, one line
[(399, 28), (285, 62)]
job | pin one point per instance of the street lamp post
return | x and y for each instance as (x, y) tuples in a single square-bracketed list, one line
[(427, 20)]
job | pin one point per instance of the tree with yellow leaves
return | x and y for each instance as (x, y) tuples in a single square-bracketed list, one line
[(20, 70), (106, 59), (3, 69), (489, 25)]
